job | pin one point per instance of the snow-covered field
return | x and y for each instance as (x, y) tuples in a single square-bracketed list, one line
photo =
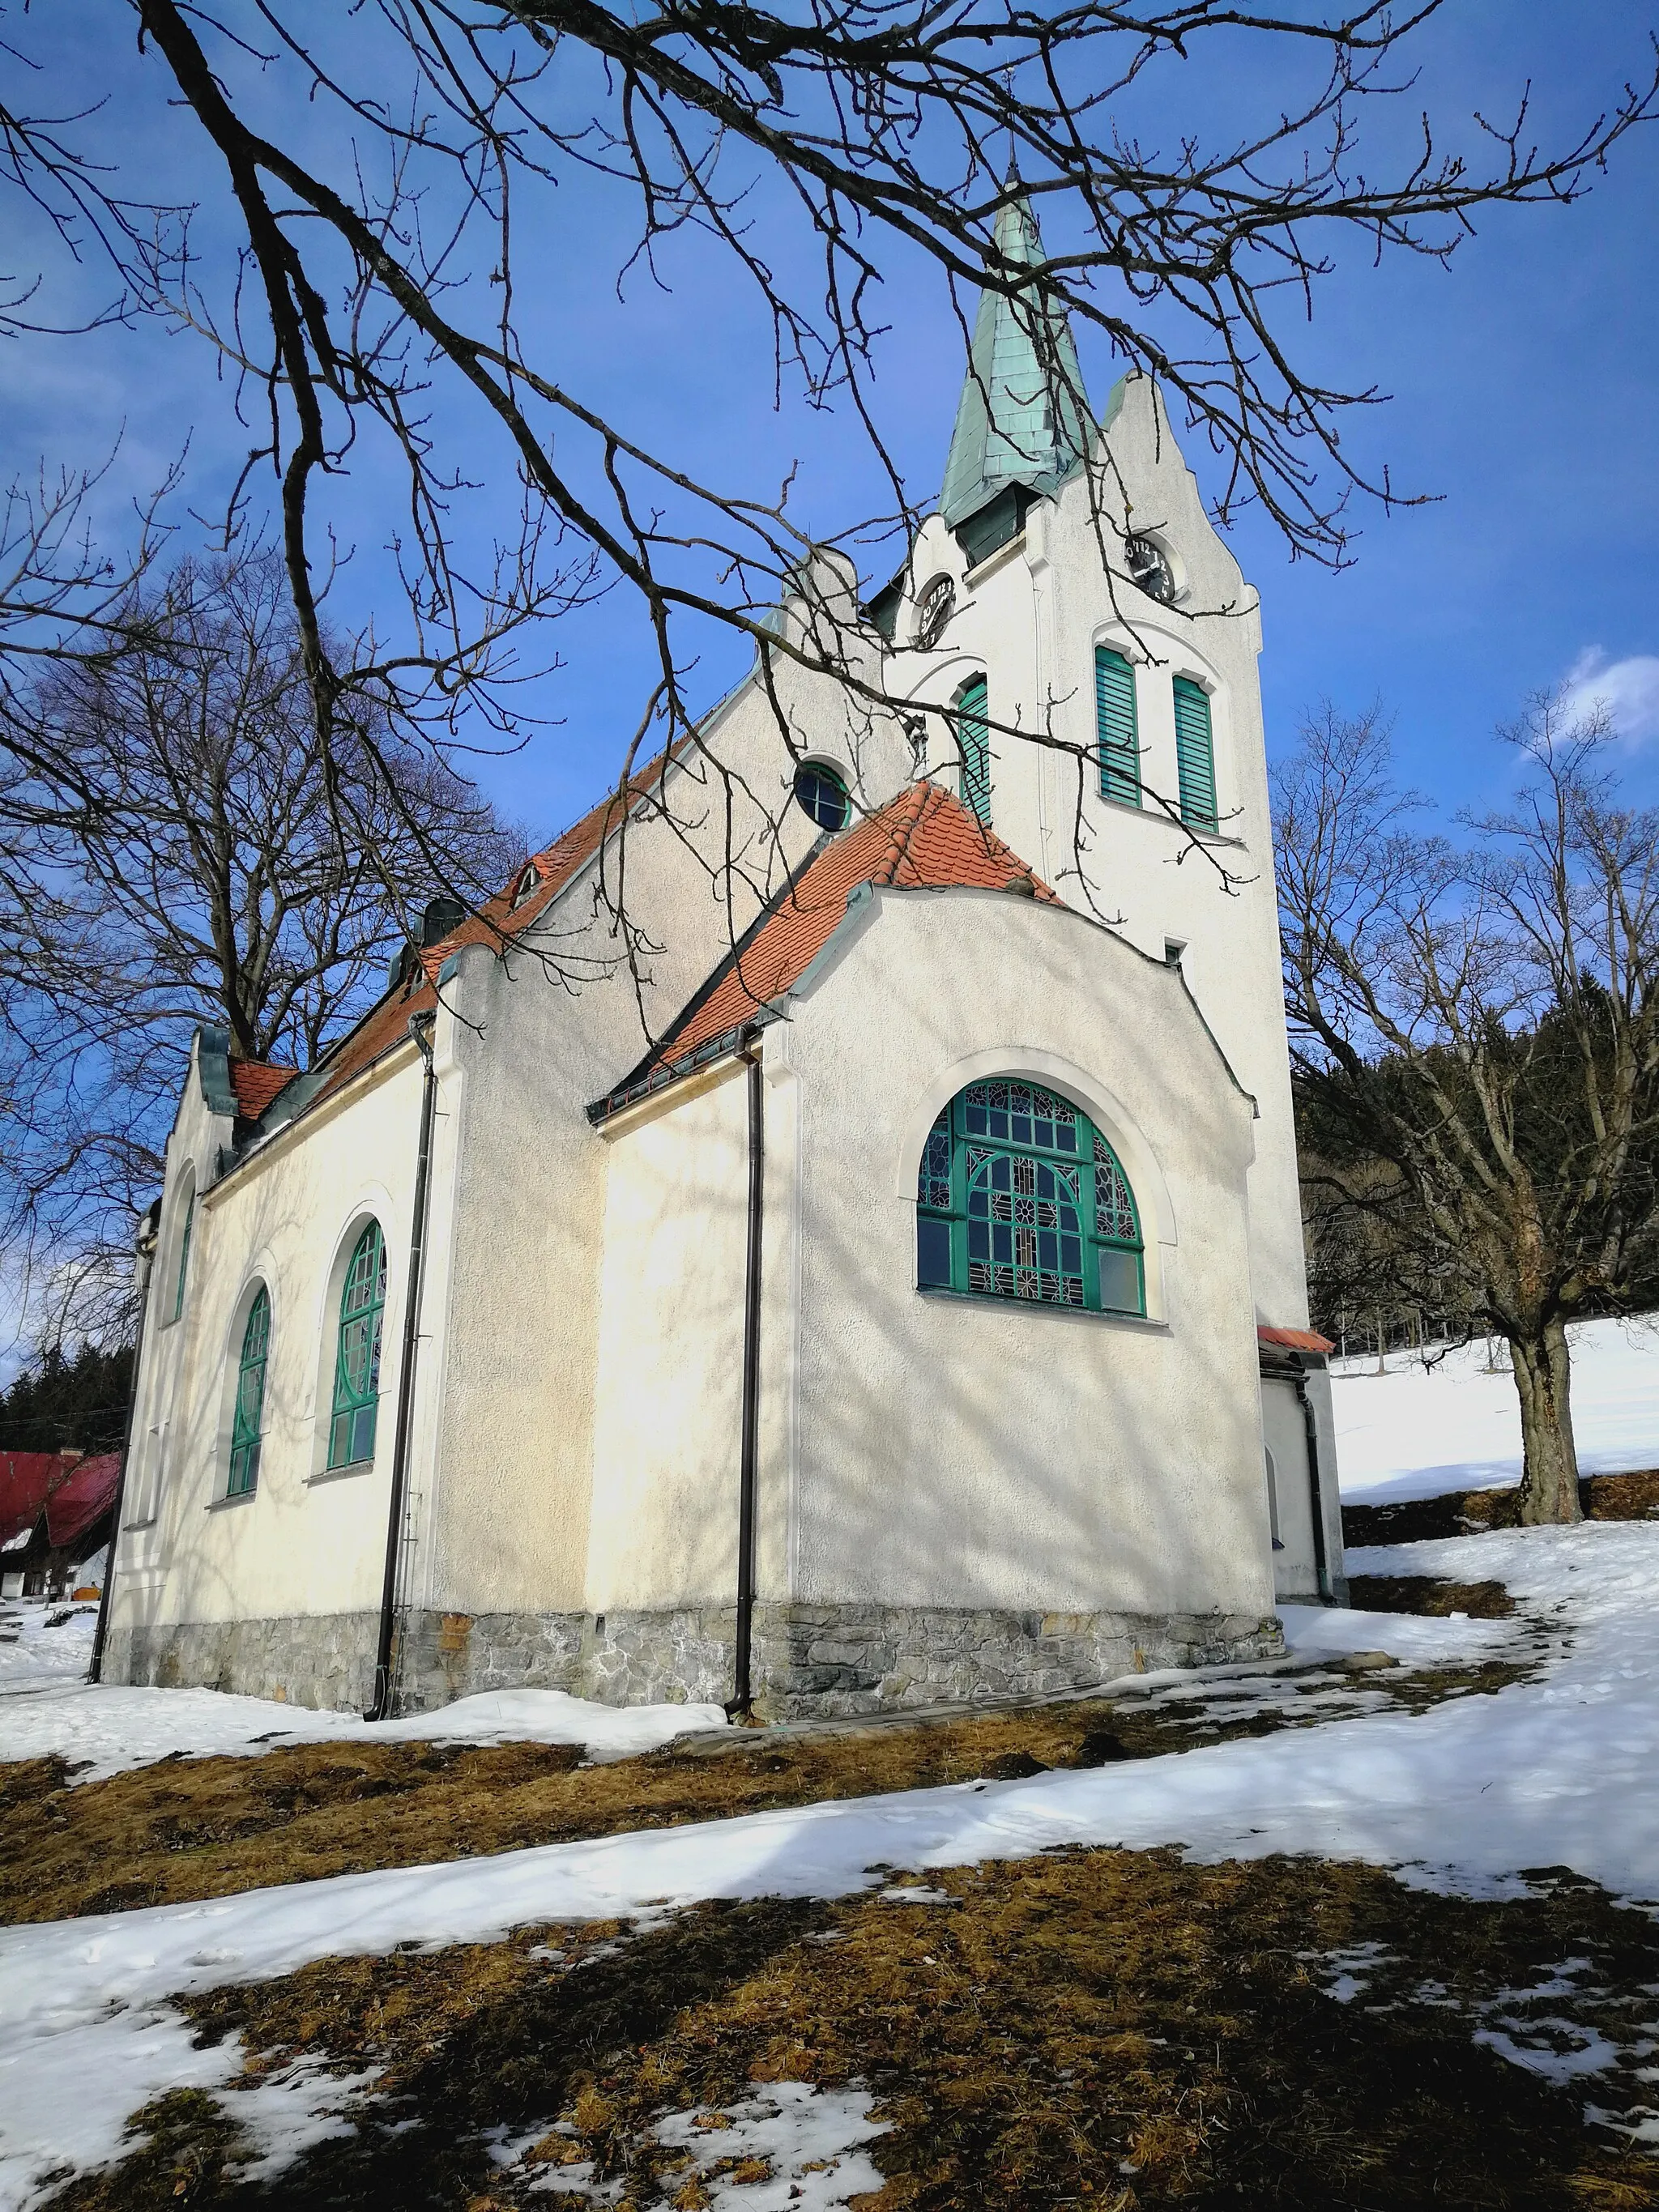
[(1420, 1430)]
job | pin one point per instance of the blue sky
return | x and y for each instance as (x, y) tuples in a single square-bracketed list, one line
[(1524, 383)]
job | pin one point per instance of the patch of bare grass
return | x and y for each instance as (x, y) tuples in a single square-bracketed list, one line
[(186, 1829), (1100, 2028), (1469, 1512)]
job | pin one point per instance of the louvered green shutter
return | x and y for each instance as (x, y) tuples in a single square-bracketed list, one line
[(974, 738), (1194, 754), (1117, 731)]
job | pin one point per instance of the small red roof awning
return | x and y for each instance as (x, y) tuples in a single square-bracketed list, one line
[(1295, 1340), (81, 1501)]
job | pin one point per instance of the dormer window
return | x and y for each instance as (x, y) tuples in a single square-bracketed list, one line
[(528, 884)]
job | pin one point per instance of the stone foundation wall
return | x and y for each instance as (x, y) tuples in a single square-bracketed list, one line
[(808, 1659), (319, 1660)]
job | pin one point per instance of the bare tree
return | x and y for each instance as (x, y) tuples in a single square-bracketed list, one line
[(374, 300), (1476, 1034), (176, 847)]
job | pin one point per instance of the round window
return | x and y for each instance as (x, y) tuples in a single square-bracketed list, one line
[(821, 792)]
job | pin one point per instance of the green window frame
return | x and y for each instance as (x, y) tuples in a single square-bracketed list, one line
[(247, 1422), (184, 1254), (1019, 1196), (1194, 754), (1117, 728), (357, 1352), (973, 740)]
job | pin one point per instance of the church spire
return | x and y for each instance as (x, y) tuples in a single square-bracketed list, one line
[(1023, 415)]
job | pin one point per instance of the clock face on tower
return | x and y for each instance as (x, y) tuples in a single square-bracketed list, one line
[(933, 611), (1149, 567)]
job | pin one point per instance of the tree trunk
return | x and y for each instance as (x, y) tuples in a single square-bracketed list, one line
[(1549, 1475)]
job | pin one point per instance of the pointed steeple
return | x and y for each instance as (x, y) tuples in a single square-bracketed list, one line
[(1023, 415)]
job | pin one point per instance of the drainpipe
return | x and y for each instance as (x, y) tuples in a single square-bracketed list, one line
[(144, 1246), (739, 1705), (420, 1028), (1316, 1489)]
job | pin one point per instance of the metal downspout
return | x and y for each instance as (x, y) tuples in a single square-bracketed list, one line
[(420, 1028), (740, 1703), (1315, 1488), (144, 1244)]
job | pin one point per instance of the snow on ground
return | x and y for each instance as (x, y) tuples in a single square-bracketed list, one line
[(42, 1645), (102, 1729), (811, 2138), (1562, 1770), (1420, 1430)]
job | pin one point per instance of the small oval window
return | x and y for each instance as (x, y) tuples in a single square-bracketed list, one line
[(820, 792)]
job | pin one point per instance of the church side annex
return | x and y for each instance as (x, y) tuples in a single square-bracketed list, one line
[(922, 1317)]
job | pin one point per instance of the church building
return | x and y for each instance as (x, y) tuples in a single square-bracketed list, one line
[(868, 1273)]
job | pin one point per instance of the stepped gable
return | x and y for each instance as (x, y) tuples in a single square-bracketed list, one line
[(924, 839)]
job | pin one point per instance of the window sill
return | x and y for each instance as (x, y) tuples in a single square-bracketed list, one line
[(1157, 814), (127, 1525), (995, 558), (989, 1299), (239, 1497), (339, 1474)]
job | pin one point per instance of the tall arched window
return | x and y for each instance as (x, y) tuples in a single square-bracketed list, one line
[(1117, 729), (247, 1422), (184, 1254), (1194, 753), (357, 1353), (1020, 1196), (973, 737)]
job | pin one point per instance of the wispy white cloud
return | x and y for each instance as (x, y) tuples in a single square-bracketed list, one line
[(1628, 689)]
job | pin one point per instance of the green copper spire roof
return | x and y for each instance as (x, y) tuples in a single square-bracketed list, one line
[(1023, 415)]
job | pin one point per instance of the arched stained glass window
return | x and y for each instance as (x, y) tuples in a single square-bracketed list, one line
[(247, 1423), (357, 1356), (184, 1254), (973, 737), (1019, 1196)]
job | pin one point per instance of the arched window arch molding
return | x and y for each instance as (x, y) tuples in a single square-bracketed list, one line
[(1152, 648), (261, 1276), (1108, 1113), (937, 686), (373, 1203)]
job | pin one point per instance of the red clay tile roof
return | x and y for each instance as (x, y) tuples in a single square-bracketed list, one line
[(256, 1083), (385, 1025), (80, 1503), (1295, 1340), (924, 839)]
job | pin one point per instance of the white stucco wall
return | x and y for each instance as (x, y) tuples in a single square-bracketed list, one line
[(304, 1542), (958, 1451), (919, 1450)]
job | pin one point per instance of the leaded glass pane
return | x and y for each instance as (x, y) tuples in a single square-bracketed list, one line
[(1114, 1207), (1021, 1113), (933, 1183), (1026, 1231)]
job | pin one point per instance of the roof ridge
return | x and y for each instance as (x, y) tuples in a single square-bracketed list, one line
[(910, 811)]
